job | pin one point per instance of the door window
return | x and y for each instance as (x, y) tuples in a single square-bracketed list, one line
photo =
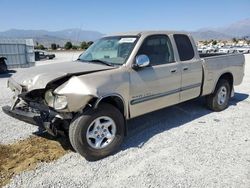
[(158, 48)]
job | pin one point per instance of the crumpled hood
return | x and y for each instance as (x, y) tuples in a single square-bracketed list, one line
[(38, 77)]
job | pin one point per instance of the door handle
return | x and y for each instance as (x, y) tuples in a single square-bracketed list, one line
[(173, 70), (185, 68)]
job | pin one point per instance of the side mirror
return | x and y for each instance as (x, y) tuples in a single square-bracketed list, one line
[(142, 61)]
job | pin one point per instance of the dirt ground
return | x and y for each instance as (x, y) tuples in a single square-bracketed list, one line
[(26, 154)]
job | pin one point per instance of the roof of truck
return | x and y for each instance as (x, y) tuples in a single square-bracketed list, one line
[(134, 33)]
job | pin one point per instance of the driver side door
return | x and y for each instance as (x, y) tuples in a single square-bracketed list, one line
[(158, 85)]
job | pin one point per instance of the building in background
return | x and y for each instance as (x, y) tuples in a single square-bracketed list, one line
[(19, 52)]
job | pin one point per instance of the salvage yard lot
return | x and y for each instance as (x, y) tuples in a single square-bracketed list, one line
[(182, 146)]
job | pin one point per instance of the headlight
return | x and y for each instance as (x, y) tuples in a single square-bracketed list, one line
[(60, 102), (49, 98), (28, 83)]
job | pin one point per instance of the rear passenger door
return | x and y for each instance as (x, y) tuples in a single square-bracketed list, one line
[(191, 68), (158, 85)]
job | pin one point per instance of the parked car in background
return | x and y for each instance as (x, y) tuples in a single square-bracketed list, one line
[(242, 49), (40, 54), (212, 49), (3, 65), (207, 49), (227, 49), (203, 50)]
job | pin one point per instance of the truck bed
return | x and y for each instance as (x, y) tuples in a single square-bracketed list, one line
[(215, 65)]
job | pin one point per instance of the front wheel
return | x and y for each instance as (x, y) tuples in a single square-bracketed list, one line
[(97, 133), (218, 100)]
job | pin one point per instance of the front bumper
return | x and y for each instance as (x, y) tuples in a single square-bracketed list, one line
[(35, 113), (28, 117), (54, 124)]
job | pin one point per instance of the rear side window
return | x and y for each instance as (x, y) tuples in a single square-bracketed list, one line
[(184, 47)]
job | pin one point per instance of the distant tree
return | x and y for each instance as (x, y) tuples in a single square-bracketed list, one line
[(84, 45), (53, 46), (68, 45), (211, 41), (205, 42), (40, 47), (245, 38), (57, 46), (75, 47), (235, 40), (214, 42), (90, 43)]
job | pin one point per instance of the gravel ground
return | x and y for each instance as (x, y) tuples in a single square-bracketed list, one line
[(60, 57), (181, 146), (11, 129)]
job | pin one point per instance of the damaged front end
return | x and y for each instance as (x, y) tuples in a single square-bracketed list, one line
[(31, 107)]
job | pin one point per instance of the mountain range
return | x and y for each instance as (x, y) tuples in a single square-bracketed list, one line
[(237, 29), (47, 37)]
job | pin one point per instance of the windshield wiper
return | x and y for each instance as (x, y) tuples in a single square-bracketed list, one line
[(100, 61)]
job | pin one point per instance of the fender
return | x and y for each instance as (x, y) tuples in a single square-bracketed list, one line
[(97, 102), (225, 72)]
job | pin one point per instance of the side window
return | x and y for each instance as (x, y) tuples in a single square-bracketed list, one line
[(184, 47), (158, 48)]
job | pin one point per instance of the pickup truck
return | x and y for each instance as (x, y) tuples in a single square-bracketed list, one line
[(117, 78)]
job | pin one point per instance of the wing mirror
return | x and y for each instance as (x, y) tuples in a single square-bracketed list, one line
[(141, 61)]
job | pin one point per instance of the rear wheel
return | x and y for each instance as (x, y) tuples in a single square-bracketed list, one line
[(97, 133), (218, 100)]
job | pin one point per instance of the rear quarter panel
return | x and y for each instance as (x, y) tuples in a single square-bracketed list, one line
[(216, 66)]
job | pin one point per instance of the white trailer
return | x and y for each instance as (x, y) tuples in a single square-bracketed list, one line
[(19, 52)]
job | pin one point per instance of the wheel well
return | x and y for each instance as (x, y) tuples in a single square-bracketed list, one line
[(228, 76), (116, 102)]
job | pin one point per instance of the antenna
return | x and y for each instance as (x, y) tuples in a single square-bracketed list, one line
[(77, 39)]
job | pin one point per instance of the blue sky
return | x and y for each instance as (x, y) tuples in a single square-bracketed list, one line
[(114, 15)]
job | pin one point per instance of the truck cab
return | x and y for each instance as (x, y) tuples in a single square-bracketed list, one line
[(173, 76)]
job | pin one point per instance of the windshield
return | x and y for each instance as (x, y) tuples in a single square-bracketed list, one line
[(112, 50)]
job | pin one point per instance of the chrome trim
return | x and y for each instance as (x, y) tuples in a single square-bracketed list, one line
[(190, 87), (155, 96)]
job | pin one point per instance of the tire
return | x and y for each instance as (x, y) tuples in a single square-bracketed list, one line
[(84, 132), (3, 67), (218, 100)]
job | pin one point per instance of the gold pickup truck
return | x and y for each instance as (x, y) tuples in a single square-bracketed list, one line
[(120, 77)]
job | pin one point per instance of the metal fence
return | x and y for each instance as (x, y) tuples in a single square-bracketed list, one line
[(19, 52)]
